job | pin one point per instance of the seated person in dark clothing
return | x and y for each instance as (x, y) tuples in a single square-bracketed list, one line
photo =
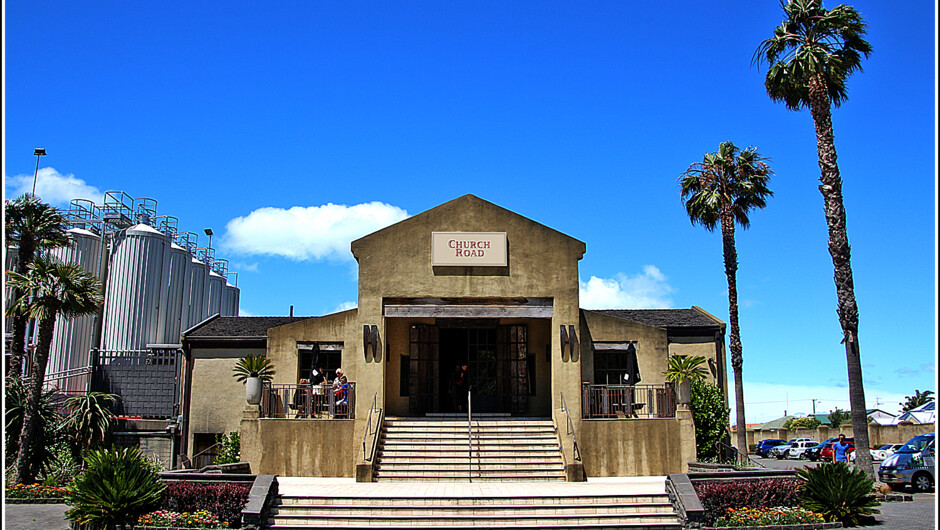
[(301, 398)]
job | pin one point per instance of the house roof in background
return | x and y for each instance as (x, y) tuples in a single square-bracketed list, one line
[(237, 327)]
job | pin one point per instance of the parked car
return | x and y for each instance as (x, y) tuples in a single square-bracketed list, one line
[(798, 449), (793, 440), (912, 464), (826, 453), (881, 453), (765, 445), (779, 452), (813, 452)]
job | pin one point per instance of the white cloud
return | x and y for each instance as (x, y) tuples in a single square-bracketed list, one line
[(243, 313), (646, 290), (307, 233), (345, 306), (768, 401), (53, 187)]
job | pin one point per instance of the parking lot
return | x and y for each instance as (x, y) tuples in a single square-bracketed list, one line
[(915, 515)]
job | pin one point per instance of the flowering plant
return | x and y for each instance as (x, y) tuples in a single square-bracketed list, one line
[(34, 491), (767, 517), (168, 519)]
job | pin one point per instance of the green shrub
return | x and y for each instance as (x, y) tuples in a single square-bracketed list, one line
[(47, 433), (719, 496), (710, 415), (116, 489), (837, 492), (229, 448), (801, 423), (838, 418)]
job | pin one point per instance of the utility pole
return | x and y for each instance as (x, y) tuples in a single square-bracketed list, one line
[(814, 405)]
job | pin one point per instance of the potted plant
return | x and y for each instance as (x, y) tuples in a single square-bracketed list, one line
[(681, 371), (253, 370)]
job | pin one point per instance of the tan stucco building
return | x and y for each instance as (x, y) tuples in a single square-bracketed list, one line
[(467, 283)]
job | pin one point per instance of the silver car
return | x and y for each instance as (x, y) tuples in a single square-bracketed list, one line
[(912, 464)]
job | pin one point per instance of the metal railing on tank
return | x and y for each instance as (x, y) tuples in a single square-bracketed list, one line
[(316, 402), (628, 402)]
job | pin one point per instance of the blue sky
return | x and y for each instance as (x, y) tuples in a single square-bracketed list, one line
[(291, 128)]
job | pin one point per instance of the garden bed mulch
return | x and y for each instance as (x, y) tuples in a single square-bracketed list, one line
[(811, 526), (37, 500)]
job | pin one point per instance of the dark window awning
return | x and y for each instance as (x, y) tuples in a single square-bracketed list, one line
[(469, 308)]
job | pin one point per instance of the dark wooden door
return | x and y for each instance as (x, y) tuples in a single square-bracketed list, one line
[(424, 395), (513, 377)]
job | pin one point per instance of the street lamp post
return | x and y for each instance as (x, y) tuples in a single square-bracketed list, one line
[(38, 152), (208, 232)]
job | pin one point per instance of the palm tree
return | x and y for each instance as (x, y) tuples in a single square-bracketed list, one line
[(49, 289), (810, 56), (31, 226), (722, 189), (919, 398)]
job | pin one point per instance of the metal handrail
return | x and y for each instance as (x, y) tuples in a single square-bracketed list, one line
[(369, 430), (570, 428), (469, 437)]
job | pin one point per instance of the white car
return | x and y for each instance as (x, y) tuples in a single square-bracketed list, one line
[(882, 453), (798, 449), (778, 452)]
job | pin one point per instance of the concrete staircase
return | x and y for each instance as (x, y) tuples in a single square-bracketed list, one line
[(440, 448), (636, 502)]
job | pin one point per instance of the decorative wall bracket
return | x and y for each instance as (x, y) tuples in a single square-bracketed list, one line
[(568, 339), (370, 340)]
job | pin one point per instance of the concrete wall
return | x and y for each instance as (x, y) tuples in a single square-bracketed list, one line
[(217, 399), (877, 434), (651, 344), (644, 447), (338, 327), (300, 448)]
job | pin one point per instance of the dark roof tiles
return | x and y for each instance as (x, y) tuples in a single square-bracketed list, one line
[(664, 318), (239, 326)]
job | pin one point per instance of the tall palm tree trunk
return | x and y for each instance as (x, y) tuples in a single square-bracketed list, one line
[(737, 360), (25, 465), (831, 189), (17, 342), (25, 255)]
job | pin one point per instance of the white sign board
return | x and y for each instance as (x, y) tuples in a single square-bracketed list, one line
[(468, 249)]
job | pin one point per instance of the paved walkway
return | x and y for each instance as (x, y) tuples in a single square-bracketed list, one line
[(917, 515)]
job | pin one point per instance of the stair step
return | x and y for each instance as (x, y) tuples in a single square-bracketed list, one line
[(439, 511), (545, 500), (333, 521)]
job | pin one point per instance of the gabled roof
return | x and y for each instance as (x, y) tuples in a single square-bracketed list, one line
[(219, 327), (466, 204), (666, 318), (773, 424)]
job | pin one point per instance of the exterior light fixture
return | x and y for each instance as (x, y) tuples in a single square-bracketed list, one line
[(208, 232), (38, 152)]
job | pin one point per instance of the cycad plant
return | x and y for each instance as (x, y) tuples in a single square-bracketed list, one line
[(117, 487), (253, 365), (682, 368), (837, 492), (89, 422)]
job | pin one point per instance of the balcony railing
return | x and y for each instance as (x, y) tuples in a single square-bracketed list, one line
[(308, 402), (628, 402)]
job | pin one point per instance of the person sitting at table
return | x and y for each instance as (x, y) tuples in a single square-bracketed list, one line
[(340, 387)]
